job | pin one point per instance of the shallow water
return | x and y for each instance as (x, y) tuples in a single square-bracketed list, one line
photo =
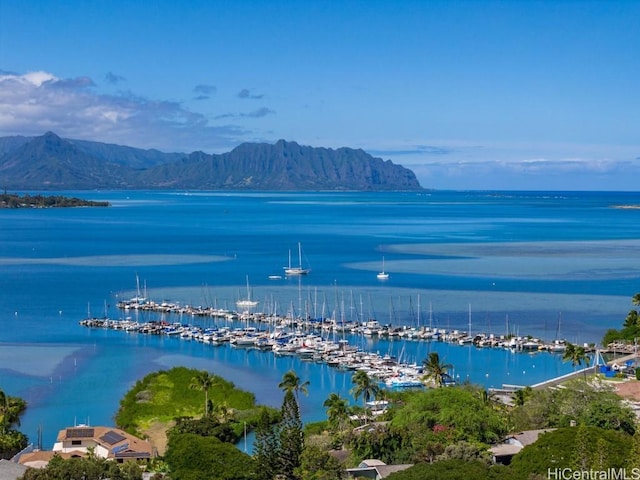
[(547, 264)]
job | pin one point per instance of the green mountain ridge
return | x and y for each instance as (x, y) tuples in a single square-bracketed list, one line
[(49, 162)]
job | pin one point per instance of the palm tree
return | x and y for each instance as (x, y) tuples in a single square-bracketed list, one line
[(291, 383), (435, 370), (223, 413), (632, 319), (576, 355), (203, 381), (337, 410), (364, 385), (632, 316)]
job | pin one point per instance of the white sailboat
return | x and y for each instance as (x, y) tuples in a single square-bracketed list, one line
[(291, 270), (382, 275), (247, 302)]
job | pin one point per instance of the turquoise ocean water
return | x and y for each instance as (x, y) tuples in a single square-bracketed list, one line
[(548, 264)]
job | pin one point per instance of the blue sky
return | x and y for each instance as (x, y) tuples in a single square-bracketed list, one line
[(468, 94)]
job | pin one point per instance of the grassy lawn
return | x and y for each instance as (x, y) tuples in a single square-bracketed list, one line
[(165, 395)]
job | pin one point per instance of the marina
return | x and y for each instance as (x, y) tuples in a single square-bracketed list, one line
[(511, 258), (322, 340)]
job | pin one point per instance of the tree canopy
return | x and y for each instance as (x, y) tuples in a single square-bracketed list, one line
[(461, 410), (192, 457), (580, 448), (11, 440), (581, 402), (10, 200), (630, 330)]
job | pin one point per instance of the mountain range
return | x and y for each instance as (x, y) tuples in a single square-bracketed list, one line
[(49, 162)]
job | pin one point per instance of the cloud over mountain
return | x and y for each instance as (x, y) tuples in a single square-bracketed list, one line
[(35, 102), (39, 101)]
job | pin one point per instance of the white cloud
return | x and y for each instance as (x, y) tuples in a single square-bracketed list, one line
[(450, 164), (37, 78), (35, 102)]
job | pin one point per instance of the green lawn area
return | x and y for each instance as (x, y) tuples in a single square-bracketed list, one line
[(165, 395)]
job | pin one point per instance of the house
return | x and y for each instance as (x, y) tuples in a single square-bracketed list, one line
[(375, 469), (104, 442), (504, 452)]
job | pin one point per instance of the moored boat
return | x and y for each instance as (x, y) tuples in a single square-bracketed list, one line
[(299, 270), (382, 275)]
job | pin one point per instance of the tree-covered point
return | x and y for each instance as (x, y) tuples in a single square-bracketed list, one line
[(11, 200), (181, 393)]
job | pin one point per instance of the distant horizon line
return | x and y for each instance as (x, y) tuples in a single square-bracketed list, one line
[(424, 190)]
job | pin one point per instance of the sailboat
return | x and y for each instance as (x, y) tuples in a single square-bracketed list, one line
[(291, 270), (247, 302), (383, 275)]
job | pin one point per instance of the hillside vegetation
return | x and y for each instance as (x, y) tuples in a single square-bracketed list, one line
[(49, 162)]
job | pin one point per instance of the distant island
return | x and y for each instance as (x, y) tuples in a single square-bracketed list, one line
[(9, 200), (49, 162)]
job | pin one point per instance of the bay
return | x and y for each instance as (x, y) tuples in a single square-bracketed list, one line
[(548, 264)]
